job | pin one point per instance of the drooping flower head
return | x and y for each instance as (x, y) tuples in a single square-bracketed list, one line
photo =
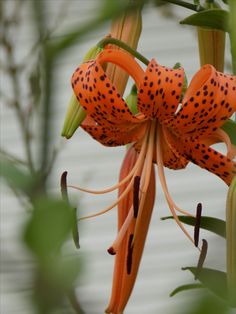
[(163, 132)]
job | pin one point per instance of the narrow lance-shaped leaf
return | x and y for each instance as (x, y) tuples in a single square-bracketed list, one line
[(214, 225), (186, 287)]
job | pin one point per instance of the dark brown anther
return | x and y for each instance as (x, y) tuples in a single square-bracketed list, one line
[(202, 257), (136, 195), (130, 254), (64, 187), (111, 251), (197, 224)]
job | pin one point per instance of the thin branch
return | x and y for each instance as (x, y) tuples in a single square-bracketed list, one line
[(190, 6)]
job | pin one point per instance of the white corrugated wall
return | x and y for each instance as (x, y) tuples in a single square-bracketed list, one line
[(90, 164)]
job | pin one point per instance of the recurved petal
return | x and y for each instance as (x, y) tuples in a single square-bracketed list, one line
[(209, 100), (114, 135), (205, 157), (99, 97), (160, 92)]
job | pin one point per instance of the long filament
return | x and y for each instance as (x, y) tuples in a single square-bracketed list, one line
[(160, 168), (116, 186)]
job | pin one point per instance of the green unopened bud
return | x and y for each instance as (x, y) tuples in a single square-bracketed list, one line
[(211, 43), (231, 241), (131, 100), (75, 113), (74, 117)]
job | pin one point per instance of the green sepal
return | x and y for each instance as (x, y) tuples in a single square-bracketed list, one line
[(213, 18), (212, 224), (186, 287), (212, 279)]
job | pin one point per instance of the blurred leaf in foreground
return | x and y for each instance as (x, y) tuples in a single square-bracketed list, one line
[(48, 227)]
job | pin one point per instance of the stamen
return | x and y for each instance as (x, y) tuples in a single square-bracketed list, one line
[(202, 258), (111, 251), (64, 192), (121, 234), (161, 173), (197, 224), (136, 195), (123, 195), (130, 254), (146, 175), (116, 186)]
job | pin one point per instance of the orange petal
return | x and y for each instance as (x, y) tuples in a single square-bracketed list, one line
[(123, 209), (114, 135), (171, 158), (123, 281), (160, 91), (205, 157), (209, 100)]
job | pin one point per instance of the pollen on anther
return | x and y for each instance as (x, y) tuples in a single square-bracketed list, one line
[(130, 255), (111, 251), (136, 195), (197, 224)]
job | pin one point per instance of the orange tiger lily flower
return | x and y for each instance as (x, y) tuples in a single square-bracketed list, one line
[(160, 133)]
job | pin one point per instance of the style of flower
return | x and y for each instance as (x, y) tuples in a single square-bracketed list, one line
[(163, 132)]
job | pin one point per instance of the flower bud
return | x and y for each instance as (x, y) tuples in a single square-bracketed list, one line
[(74, 117), (231, 241), (127, 29), (211, 43), (75, 113)]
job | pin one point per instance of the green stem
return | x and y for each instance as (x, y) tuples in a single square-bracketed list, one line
[(124, 46), (187, 5), (232, 33)]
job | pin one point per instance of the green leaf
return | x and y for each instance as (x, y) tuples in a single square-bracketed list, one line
[(186, 287), (214, 280), (48, 227), (208, 223), (16, 177), (213, 18), (230, 128)]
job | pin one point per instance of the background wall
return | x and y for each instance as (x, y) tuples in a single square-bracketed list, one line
[(92, 165)]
